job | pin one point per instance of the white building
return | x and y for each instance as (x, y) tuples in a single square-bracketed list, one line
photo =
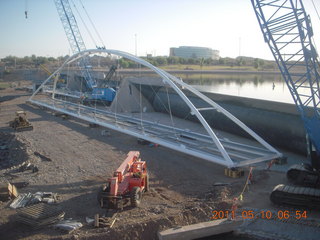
[(194, 52)]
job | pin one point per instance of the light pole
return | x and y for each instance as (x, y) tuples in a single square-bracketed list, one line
[(135, 37)]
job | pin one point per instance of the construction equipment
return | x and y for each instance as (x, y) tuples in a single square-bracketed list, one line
[(21, 123), (60, 81), (77, 44), (129, 181), (287, 30)]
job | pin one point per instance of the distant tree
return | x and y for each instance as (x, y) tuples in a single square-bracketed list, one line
[(9, 60), (222, 61), (123, 63), (27, 61), (183, 60), (132, 64), (209, 61), (173, 60), (258, 63), (261, 62), (51, 59), (201, 62), (41, 60), (191, 61), (240, 61), (161, 60)]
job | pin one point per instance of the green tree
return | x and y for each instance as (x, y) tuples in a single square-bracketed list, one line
[(123, 63), (258, 63), (222, 61), (9, 60), (191, 61)]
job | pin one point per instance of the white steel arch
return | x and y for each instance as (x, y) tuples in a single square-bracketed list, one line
[(223, 152)]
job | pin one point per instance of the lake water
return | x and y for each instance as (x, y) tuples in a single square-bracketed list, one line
[(258, 86)]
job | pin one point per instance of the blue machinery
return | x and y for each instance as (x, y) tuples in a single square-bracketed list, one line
[(77, 45), (287, 30)]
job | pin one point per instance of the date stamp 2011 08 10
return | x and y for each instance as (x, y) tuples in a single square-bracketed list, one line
[(263, 214)]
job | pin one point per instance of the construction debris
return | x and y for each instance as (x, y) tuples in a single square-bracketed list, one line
[(39, 215), (68, 225), (62, 115), (26, 199), (4, 193), (104, 221), (28, 166), (89, 220), (13, 192), (9, 191), (42, 157)]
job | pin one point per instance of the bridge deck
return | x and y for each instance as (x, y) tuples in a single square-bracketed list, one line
[(189, 138)]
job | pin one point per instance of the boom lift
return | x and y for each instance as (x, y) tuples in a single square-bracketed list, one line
[(130, 180), (286, 28)]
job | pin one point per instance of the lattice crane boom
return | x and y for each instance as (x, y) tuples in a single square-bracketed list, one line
[(75, 39), (286, 28)]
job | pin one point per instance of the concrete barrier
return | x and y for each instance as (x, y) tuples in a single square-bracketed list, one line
[(200, 230), (278, 123)]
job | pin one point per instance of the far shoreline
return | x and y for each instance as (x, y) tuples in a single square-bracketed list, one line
[(179, 71)]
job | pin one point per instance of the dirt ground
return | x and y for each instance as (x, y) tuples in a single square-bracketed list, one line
[(75, 160)]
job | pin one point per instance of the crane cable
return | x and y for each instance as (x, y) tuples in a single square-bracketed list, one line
[(94, 27), (314, 6), (85, 25), (26, 9)]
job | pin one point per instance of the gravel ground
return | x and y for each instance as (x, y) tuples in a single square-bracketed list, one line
[(74, 160)]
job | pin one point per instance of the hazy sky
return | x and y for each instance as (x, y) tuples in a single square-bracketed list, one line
[(229, 26)]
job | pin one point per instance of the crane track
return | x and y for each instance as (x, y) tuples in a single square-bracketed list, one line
[(304, 175), (297, 196)]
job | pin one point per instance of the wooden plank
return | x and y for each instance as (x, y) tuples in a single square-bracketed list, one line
[(13, 190), (96, 220), (200, 230)]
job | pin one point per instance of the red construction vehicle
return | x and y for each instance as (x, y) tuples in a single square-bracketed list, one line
[(129, 181)]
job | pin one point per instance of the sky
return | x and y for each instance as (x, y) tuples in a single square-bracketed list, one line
[(148, 26)]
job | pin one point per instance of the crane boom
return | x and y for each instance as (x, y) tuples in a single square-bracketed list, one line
[(75, 39), (287, 30)]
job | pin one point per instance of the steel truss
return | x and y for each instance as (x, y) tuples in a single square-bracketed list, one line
[(206, 146)]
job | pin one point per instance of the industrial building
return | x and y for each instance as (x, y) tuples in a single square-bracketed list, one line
[(194, 52)]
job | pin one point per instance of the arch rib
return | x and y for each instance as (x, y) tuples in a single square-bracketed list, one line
[(174, 83)]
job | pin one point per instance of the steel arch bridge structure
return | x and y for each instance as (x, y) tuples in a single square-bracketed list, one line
[(206, 144)]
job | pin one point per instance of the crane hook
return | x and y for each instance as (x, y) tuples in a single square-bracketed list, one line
[(26, 9)]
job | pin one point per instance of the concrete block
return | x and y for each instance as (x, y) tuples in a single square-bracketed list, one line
[(200, 230)]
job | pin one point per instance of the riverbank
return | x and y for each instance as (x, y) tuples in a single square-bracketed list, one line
[(196, 71)]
